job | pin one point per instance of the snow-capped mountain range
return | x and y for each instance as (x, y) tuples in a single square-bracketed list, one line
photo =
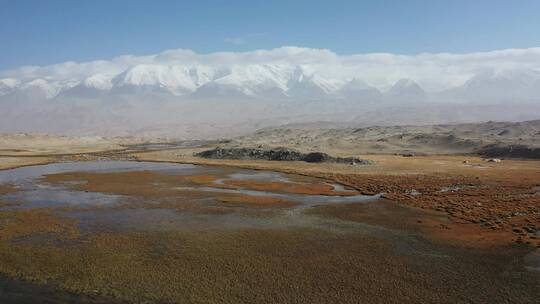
[(269, 87), (272, 81), (512, 74), (256, 81)]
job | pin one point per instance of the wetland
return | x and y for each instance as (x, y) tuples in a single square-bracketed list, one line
[(148, 232)]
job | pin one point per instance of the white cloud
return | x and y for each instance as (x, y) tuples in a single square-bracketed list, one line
[(432, 71)]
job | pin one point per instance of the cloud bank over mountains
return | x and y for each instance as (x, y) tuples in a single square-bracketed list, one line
[(183, 71), (289, 83)]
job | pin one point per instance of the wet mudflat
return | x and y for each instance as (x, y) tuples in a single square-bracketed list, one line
[(168, 233)]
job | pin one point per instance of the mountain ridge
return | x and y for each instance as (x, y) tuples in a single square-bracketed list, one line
[(281, 80)]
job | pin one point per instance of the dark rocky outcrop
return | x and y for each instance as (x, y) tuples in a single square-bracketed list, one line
[(278, 154), (513, 151)]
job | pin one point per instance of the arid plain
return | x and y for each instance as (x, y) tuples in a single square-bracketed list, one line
[(111, 220)]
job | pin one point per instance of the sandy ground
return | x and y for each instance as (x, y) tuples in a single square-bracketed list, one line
[(24, 144), (22, 149), (15, 162)]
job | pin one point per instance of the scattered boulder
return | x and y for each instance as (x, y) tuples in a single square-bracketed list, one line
[(494, 160)]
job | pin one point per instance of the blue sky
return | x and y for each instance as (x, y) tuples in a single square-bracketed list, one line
[(47, 32)]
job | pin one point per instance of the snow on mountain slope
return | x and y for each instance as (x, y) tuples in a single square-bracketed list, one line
[(358, 90), (48, 89), (406, 90), (303, 84), (255, 77), (272, 81), (283, 85), (405, 86), (178, 80), (248, 80), (267, 81), (99, 81), (500, 86), (286, 73), (7, 85)]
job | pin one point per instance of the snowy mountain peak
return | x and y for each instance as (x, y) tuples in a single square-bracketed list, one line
[(357, 85), (49, 90), (500, 86), (9, 82), (257, 76), (406, 90), (273, 80), (7, 85), (405, 84), (99, 81), (516, 77)]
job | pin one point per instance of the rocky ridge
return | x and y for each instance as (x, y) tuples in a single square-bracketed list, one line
[(278, 154)]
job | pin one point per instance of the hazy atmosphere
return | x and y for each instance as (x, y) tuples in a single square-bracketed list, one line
[(177, 88), (269, 152), (241, 84)]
